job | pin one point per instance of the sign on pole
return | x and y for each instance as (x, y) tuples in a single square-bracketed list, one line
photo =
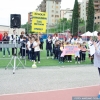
[(39, 20)]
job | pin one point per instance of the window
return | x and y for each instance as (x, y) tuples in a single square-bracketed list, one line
[(52, 20), (56, 6), (95, 17), (98, 17), (56, 11), (56, 2), (52, 10), (98, 22), (56, 15)]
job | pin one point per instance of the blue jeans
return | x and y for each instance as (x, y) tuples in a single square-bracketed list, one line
[(7, 50), (30, 55)]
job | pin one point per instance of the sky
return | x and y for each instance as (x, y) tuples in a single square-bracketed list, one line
[(22, 7)]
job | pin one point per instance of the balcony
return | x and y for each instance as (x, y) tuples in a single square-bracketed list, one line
[(96, 7), (95, 3)]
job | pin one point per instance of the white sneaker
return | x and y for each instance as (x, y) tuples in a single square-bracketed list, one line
[(78, 62), (75, 62), (3, 55), (47, 57), (9, 56), (68, 61), (39, 62)]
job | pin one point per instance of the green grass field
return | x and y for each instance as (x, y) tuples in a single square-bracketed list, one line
[(44, 61)]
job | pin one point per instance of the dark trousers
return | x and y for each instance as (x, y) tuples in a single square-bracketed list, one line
[(37, 54), (20, 52), (99, 70), (69, 57), (61, 59), (14, 51), (77, 59), (80, 55), (41, 45), (53, 48), (49, 52), (56, 55), (92, 59), (83, 56), (23, 52), (30, 54)]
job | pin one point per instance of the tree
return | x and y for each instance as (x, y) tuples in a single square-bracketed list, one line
[(75, 16), (27, 27), (90, 16)]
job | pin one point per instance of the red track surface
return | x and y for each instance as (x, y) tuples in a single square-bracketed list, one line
[(54, 95)]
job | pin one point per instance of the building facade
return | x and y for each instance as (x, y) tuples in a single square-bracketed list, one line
[(84, 8), (62, 13), (30, 17), (68, 14), (52, 7)]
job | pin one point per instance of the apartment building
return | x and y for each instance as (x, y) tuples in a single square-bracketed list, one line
[(52, 7), (84, 9), (62, 13), (30, 17), (68, 14)]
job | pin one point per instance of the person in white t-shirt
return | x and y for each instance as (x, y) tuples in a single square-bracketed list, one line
[(79, 40), (29, 48), (36, 49), (54, 39)]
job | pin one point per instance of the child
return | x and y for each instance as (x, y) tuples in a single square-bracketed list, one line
[(83, 52), (24, 47), (61, 58), (77, 55), (56, 49), (49, 47), (69, 56)]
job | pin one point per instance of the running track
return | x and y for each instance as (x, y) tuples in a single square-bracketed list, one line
[(66, 94)]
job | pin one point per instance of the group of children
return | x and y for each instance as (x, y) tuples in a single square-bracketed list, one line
[(56, 51), (30, 46)]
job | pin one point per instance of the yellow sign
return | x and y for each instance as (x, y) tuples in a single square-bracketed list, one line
[(39, 20)]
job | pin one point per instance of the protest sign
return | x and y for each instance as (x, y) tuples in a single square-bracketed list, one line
[(69, 50), (39, 20)]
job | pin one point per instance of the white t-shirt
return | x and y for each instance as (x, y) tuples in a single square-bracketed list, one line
[(90, 43), (79, 41), (28, 45), (54, 39), (37, 48), (72, 40)]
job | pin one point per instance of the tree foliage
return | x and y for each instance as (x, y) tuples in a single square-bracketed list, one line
[(27, 27), (90, 16), (75, 17)]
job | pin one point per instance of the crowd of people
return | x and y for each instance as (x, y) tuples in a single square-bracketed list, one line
[(55, 47), (32, 44)]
